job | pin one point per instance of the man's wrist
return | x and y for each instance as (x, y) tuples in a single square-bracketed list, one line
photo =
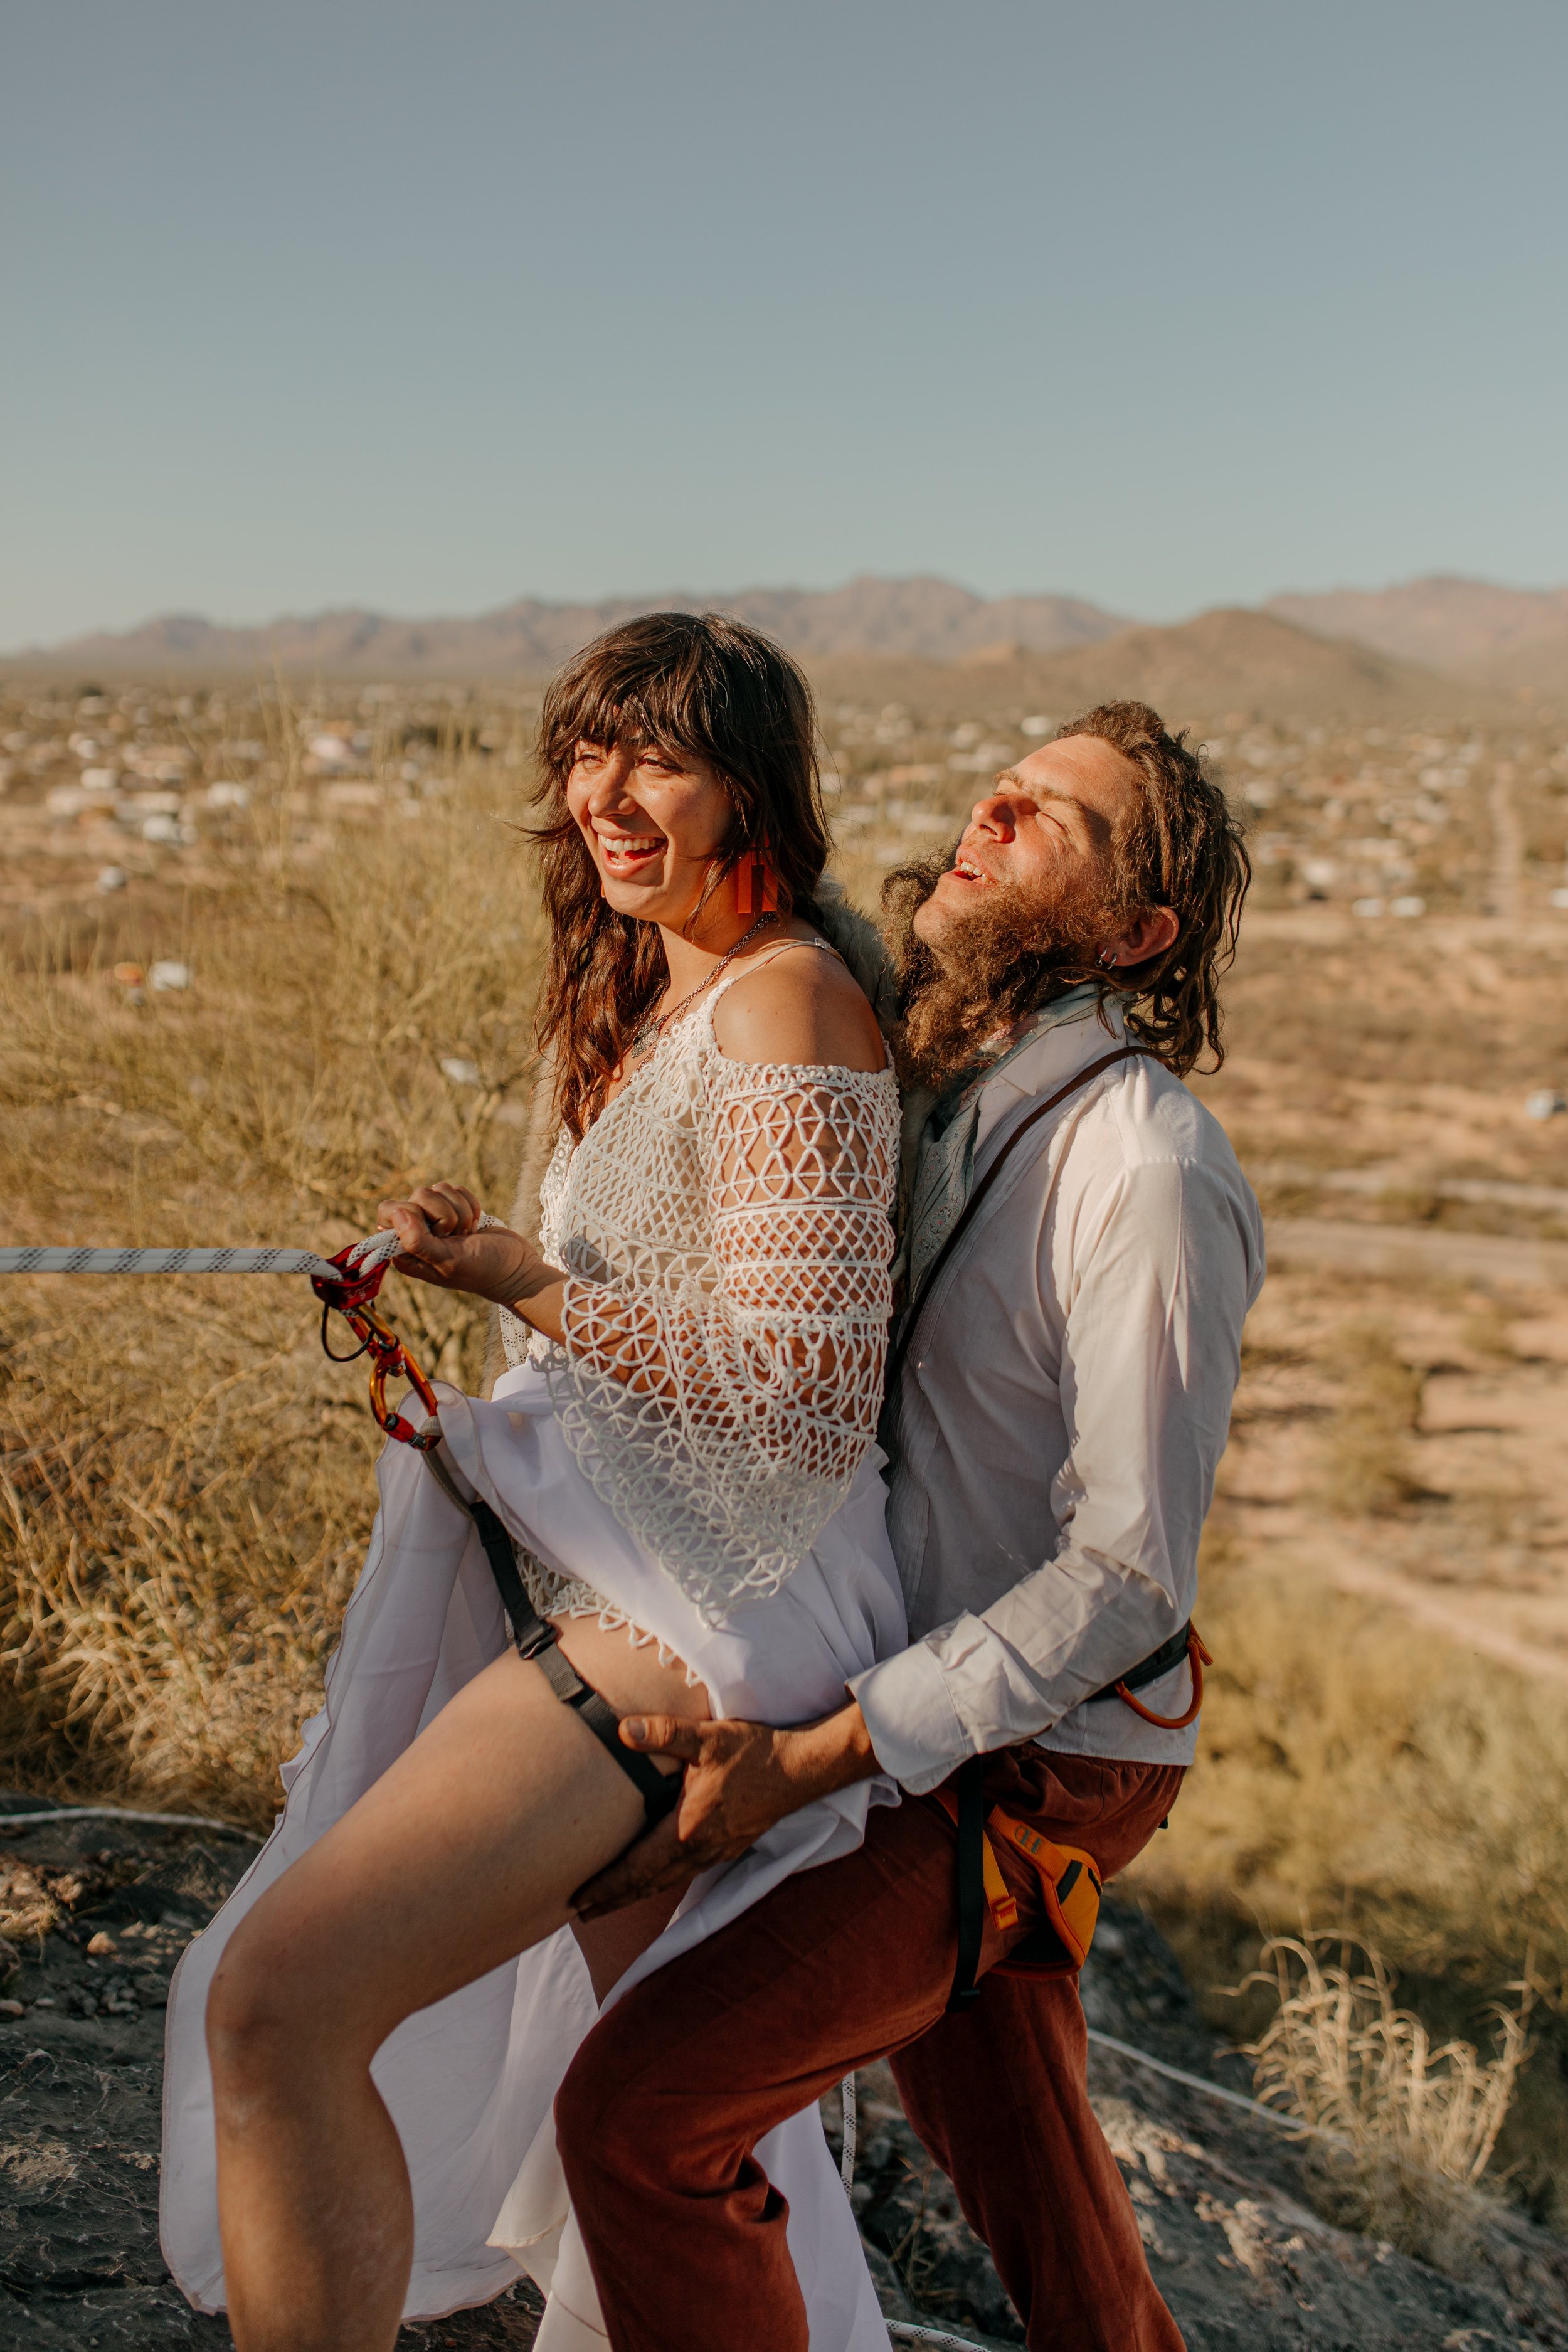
[(833, 1754)]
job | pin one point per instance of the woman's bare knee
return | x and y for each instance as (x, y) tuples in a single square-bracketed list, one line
[(275, 2008)]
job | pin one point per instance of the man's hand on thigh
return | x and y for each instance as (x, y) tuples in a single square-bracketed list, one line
[(741, 1777)]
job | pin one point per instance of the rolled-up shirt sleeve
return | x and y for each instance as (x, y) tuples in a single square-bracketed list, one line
[(1166, 1264)]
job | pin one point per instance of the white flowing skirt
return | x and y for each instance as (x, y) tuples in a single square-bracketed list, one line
[(471, 2081)]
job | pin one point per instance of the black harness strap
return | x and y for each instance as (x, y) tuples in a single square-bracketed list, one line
[(969, 1785), (1148, 1669), (535, 1638), (970, 1779), (971, 1209)]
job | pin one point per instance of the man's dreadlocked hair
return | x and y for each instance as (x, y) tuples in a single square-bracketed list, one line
[(1179, 847)]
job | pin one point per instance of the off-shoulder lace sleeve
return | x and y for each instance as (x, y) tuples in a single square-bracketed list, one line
[(722, 1402)]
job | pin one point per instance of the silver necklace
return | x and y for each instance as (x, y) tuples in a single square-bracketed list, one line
[(654, 1027)]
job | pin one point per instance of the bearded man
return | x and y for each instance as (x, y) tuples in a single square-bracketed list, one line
[(1082, 1251)]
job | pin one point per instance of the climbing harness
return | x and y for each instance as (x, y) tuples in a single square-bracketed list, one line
[(1187, 1643), (1069, 1881), (348, 1285), (535, 1638)]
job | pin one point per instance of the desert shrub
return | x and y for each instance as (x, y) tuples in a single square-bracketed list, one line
[(1364, 1452), (185, 1482), (1403, 2131), (1352, 1761)]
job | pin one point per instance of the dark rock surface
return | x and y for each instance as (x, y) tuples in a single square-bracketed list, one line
[(100, 1911)]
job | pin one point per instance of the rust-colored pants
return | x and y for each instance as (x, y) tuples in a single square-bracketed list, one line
[(670, 2093)]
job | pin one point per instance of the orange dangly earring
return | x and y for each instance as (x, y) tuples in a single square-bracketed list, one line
[(756, 883)]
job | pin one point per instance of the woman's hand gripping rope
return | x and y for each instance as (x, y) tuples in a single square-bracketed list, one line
[(445, 1238), (741, 1777)]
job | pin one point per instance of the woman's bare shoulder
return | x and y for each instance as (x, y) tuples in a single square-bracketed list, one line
[(803, 1006)]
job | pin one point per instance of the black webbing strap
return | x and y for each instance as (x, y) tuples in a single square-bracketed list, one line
[(971, 1209), (502, 1557), (536, 1639), (1148, 1669), (969, 1790), (970, 1779)]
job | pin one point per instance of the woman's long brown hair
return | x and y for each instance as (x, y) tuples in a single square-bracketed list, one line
[(685, 683)]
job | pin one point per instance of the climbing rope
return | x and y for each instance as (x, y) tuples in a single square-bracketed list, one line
[(126, 1813), (847, 2159), (164, 1261), (345, 1285), (904, 2331), (364, 1256)]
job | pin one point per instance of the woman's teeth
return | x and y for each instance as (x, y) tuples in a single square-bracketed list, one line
[(629, 849)]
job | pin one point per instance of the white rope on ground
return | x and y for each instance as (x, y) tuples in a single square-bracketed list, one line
[(904, 2331), (122, 1813), (1254, 2107), (365, 1257), (851, 2112)]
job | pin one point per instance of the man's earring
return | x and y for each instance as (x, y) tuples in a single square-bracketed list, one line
[(756, 883), (1108, 960)]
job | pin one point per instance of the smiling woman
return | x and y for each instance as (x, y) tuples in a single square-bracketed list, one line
[(684, 744), (681, 1452)]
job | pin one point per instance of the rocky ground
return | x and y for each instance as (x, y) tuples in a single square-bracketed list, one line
[(99, 1910)]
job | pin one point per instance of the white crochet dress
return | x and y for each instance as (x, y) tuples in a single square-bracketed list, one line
[(726, 1227), (726, 1232)]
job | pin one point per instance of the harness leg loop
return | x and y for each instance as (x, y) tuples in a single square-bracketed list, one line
[(535, 1638)]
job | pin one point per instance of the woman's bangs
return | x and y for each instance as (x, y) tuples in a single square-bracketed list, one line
[(651, 714)]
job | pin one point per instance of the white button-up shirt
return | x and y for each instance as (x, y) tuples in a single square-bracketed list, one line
[(1059, 1418)]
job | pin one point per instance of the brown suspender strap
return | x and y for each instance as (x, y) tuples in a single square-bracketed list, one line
[(971, 1209)]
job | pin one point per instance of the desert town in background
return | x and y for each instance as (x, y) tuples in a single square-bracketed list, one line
[(271, 942)]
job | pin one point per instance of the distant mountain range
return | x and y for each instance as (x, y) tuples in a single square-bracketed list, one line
[(1509, 636), (1465, 630), (1236, 658), (1227, 660), (929, 619)]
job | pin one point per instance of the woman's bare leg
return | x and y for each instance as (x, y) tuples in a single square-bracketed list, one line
[(631, 1682), (464, 1854)]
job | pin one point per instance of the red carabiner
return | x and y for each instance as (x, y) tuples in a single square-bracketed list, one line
[(353, 1289), (390, 1360)]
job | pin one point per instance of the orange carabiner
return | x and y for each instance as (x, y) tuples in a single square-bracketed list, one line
[(389, 1360), (1197, 1659)]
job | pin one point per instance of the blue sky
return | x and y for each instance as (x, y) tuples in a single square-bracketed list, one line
[(427, 306)]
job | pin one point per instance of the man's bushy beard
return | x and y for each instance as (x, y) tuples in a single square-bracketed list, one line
[(1004, 959)]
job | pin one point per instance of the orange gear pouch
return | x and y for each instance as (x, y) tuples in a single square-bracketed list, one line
[(1070, 1889)]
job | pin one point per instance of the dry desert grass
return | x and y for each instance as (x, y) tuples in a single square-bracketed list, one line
[(184, 1487), (1403, 2132)]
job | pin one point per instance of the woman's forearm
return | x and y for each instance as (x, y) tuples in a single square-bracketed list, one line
[(537, 1296)]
